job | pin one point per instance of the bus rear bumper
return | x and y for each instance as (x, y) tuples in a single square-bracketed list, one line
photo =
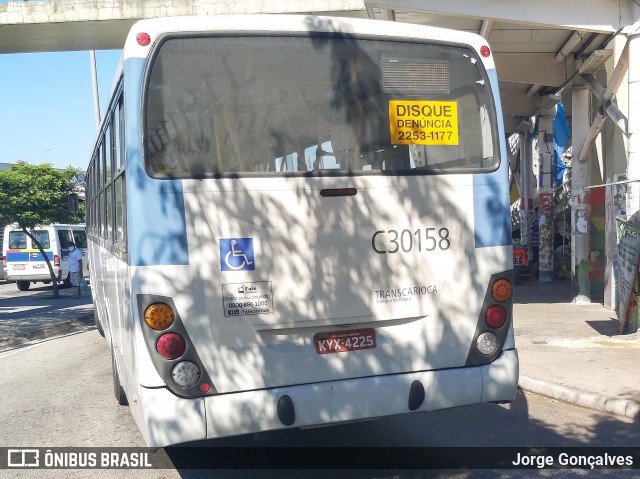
[(13, 278), (330, 402)]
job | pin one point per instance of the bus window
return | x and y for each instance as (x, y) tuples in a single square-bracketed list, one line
[(303, 117), (42, 237), (65, 238), (17, 240), (80, 238)]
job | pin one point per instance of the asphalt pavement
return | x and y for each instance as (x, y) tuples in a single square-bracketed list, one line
[(38, 316), (567, 351)]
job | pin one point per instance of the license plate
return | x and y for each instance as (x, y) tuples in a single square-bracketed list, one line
[(345, 341), (38, 266), (18, 266)]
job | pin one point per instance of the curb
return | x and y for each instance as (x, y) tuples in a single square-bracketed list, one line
[(81, 323), (620, 407)]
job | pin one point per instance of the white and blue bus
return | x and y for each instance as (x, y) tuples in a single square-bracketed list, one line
[(298, 221)]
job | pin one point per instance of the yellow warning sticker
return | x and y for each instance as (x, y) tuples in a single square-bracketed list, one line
[(423, 122)]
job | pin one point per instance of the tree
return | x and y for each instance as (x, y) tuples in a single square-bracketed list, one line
[(34, 195)]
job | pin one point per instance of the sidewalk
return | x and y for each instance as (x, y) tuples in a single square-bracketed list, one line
[(574, 353)]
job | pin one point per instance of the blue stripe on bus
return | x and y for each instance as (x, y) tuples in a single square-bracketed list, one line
[(156, 224), (21, 256), (491, 214), (26, 256)]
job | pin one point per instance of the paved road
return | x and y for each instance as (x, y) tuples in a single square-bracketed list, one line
[(35, 315), (58, 393)]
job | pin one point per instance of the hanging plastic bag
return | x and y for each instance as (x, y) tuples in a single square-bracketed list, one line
[(84, 286)]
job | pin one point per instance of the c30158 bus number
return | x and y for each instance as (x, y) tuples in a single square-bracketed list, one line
[(422, 239)]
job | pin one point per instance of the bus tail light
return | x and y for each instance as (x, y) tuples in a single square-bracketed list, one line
[(495, 317), (159, 316), (185, 374), (171, 346), (502, 290), (56, 261), (487, 343)]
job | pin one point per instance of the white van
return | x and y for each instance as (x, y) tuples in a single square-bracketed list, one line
[(23, 262)]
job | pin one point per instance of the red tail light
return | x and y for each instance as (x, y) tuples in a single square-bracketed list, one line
[(171, 346), (56, 261), (4, 262), (496, 316), (143, 39)]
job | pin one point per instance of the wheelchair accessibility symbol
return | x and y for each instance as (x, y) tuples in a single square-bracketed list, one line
[(236, 254)]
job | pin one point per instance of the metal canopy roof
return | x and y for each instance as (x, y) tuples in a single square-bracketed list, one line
[(538, 46)]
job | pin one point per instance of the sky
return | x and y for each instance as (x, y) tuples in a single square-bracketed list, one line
[(46, 106)]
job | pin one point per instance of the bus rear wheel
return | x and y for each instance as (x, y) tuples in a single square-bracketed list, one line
[(23, 285), (99, 326), (118, 390)]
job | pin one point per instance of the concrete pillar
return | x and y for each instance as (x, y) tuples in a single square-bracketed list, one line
[(633, 158), (580, 210), (526, 182), (545, 192)]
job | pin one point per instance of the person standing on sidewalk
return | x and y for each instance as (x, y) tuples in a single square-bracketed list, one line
[(75, 267)]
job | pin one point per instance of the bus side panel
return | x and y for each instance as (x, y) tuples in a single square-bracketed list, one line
[(157, 233), (491, 192), (150, 230)]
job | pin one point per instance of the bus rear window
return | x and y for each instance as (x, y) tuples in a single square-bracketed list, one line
[(17, 240), (292, 105)]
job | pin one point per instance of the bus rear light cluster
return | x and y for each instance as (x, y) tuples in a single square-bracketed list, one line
[(56, 261), (493, 324), (172, 352)]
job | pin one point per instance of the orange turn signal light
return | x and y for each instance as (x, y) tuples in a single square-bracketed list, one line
[(502, 290), (159, 316)]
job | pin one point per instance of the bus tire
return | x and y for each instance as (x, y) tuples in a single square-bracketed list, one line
[(67, 281), (118, 390), (23, 285), (98, 325)]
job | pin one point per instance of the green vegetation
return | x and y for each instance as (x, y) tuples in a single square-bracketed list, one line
[(33, 195)]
